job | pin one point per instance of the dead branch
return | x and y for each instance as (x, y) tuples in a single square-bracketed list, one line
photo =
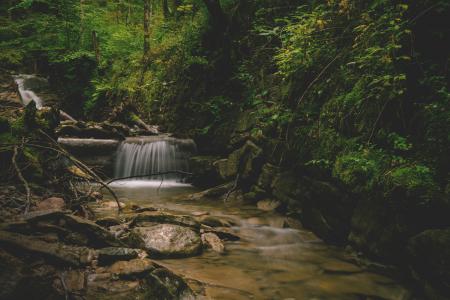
[(82, 166), (234, 188)]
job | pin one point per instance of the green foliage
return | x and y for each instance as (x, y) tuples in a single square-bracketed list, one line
[(358, 170)]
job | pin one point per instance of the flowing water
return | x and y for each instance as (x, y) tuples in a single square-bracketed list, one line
[(268, 262), (26, 84), (151, 155)]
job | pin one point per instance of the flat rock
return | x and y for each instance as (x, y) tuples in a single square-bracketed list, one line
[(52, 252), (168, 240), (211, 240)]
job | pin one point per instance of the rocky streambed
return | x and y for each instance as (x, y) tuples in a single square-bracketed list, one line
[(223, 250)]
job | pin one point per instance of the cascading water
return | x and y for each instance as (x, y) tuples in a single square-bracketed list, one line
[(144, 156), (26, 85)]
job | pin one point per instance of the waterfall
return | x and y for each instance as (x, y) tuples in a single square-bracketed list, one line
[(26, 84), (142, 156)]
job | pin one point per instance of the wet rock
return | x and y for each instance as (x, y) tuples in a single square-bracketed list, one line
[(268, 204), (132, 268), (214, 221), (205, 174), (268, 173), (138, 209), (247, 161), (157, 217), (108, 221), (112, 254), (321, 206), (211, 240), (223, 233), (83, 231), (137, 279), (199, 213), (212, 193), (54, 253), (429, 260), (167, 240), (51, 203)]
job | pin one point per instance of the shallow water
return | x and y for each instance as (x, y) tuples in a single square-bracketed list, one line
[(269, 262)]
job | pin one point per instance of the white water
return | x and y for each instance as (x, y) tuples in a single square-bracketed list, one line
[(150, 156), (26, 93)]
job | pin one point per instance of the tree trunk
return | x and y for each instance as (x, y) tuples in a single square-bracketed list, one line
[(95, 46), (166, 11), (146, 26), (217, 16)]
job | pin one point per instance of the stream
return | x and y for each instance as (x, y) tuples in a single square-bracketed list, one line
[(269, 261)]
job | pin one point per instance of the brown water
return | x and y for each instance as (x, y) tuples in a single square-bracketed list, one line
[(269, 262)]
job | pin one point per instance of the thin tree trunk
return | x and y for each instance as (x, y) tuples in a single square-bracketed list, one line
[(96, 46), (146, 27), (166, 11)]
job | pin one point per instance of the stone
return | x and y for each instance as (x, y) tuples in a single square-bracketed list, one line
[(55, 203), (107, 222), (205, 173), (214, 221), (111, 254), (158, 217), (223, 233), (54, 253), (132, 268), (211, 240), (268, 173), (88, 232), (429, 260), (137, 279), (168, 240), (268, 204)]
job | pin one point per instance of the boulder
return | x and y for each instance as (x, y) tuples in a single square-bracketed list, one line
[(211, 240), (246, 160), (429, 261), (157, 217), (51, 203), (205, 174), (265, 179), (168, 240)]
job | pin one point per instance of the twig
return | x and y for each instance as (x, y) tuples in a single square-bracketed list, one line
[(25, 183), (81, 165), (234, 188)]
